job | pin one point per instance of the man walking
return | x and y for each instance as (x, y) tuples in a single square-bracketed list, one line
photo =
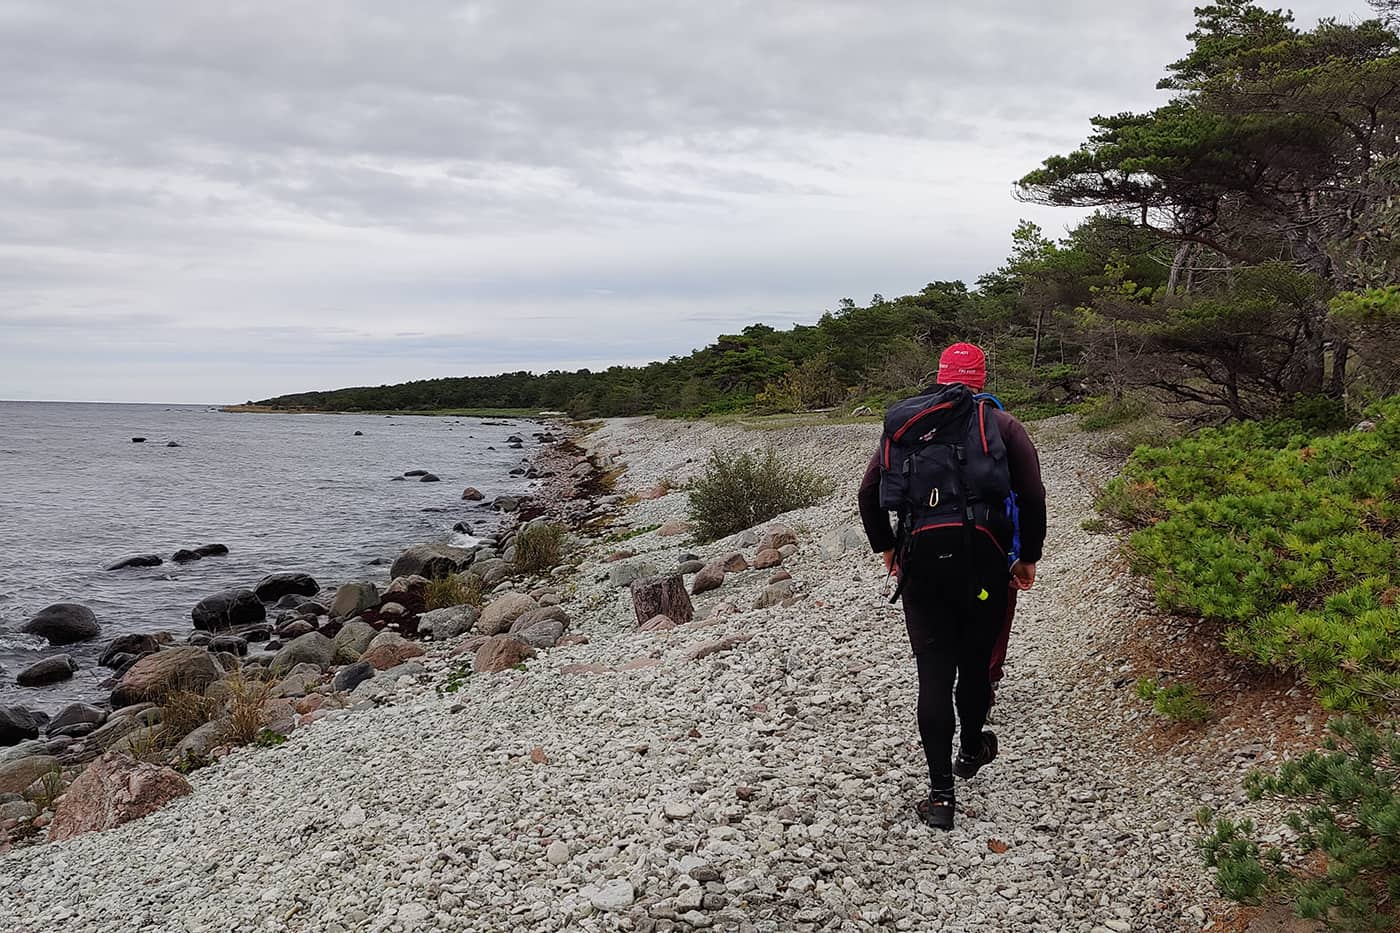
[(946, 464)]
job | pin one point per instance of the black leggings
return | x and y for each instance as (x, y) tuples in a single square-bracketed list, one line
[(954, 607)]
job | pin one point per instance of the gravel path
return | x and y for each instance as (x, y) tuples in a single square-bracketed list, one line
[(624, 785)]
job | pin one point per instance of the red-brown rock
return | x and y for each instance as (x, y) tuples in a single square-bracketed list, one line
[(735, 563), (775, 536), (714, 647), (658, 623), (501, 652), (390, 650), (767, 559), (710, 577), (115, 789)]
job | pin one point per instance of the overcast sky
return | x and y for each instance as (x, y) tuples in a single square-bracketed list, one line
[(211, 202)]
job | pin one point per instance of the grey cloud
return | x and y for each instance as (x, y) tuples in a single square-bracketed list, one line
[(261, 195)]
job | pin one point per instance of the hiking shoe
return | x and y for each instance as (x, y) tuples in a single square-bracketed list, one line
[(936, 810), (967, 766)]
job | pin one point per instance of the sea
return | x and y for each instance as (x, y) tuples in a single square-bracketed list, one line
[(284, 492)]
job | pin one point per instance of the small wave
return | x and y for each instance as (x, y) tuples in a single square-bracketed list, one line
[(460, 540)]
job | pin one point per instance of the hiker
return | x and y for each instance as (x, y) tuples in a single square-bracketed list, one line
[(947, 464)]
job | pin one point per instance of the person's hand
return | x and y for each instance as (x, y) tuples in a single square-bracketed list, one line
[(891, 565), (1022, 575)]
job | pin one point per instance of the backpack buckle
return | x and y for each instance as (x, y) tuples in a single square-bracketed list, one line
[(933, 498)]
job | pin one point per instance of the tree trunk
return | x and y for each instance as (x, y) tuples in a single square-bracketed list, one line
[(1314, 349), (662, 596), (1178, 262), (1035, 347), (1341, 350)]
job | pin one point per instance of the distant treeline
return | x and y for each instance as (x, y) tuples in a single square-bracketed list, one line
[(1241, 260)]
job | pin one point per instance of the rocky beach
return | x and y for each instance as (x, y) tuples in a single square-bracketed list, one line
[(551, 760)]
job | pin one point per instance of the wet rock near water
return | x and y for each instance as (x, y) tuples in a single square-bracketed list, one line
[(431, 560), (63, 624), (139, 560), (48, 671), (228, 609), (155, 675), (17, 725), (275, 586), (134, 645)]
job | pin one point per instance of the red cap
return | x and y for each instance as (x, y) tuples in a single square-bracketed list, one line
[(965, 363)]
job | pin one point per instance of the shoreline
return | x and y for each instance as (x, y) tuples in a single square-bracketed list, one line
[(747, 746), (525, 414), (233, 647)]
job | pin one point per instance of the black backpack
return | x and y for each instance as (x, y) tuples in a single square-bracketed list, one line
[(943, 468)]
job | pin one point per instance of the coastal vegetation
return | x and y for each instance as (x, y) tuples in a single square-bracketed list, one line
[(739, 491)]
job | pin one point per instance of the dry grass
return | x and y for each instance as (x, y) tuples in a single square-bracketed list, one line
[(51, 787), (246, 717), (183, 711), (539, 547), (455, 589)]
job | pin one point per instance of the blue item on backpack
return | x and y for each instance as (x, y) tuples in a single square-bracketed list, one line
[(1013, 553)]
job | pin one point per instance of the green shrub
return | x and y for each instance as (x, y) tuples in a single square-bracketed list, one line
[(1350, 816), (539, 547), (455, 589), (1291, 541), (1179, 702), (742, 490)]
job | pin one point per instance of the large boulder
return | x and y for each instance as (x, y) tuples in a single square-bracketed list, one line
[(843, 540), (76, 714), (48, 671), (431, 560), (201, 743), (352, 641), (18, 773), (140, 560), (775, 536), (17, 724), (63, 624), (767, 559), (735, 562), (390, 649), (710, 577), (493, 570), (276, 585), (351, 676), (499, 653), (452, 622), (775, 594), (539, 631), (228, 609), (155, 675), (625, 573), (129, 645), (311, 648), (472, 494), (504, 610), (352, 599), (115, 789)]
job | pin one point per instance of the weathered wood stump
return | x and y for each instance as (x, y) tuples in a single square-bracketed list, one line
[(662, 596)]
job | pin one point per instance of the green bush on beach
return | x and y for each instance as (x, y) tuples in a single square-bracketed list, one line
[(1288, 538), (742, 490), (539, 547)]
